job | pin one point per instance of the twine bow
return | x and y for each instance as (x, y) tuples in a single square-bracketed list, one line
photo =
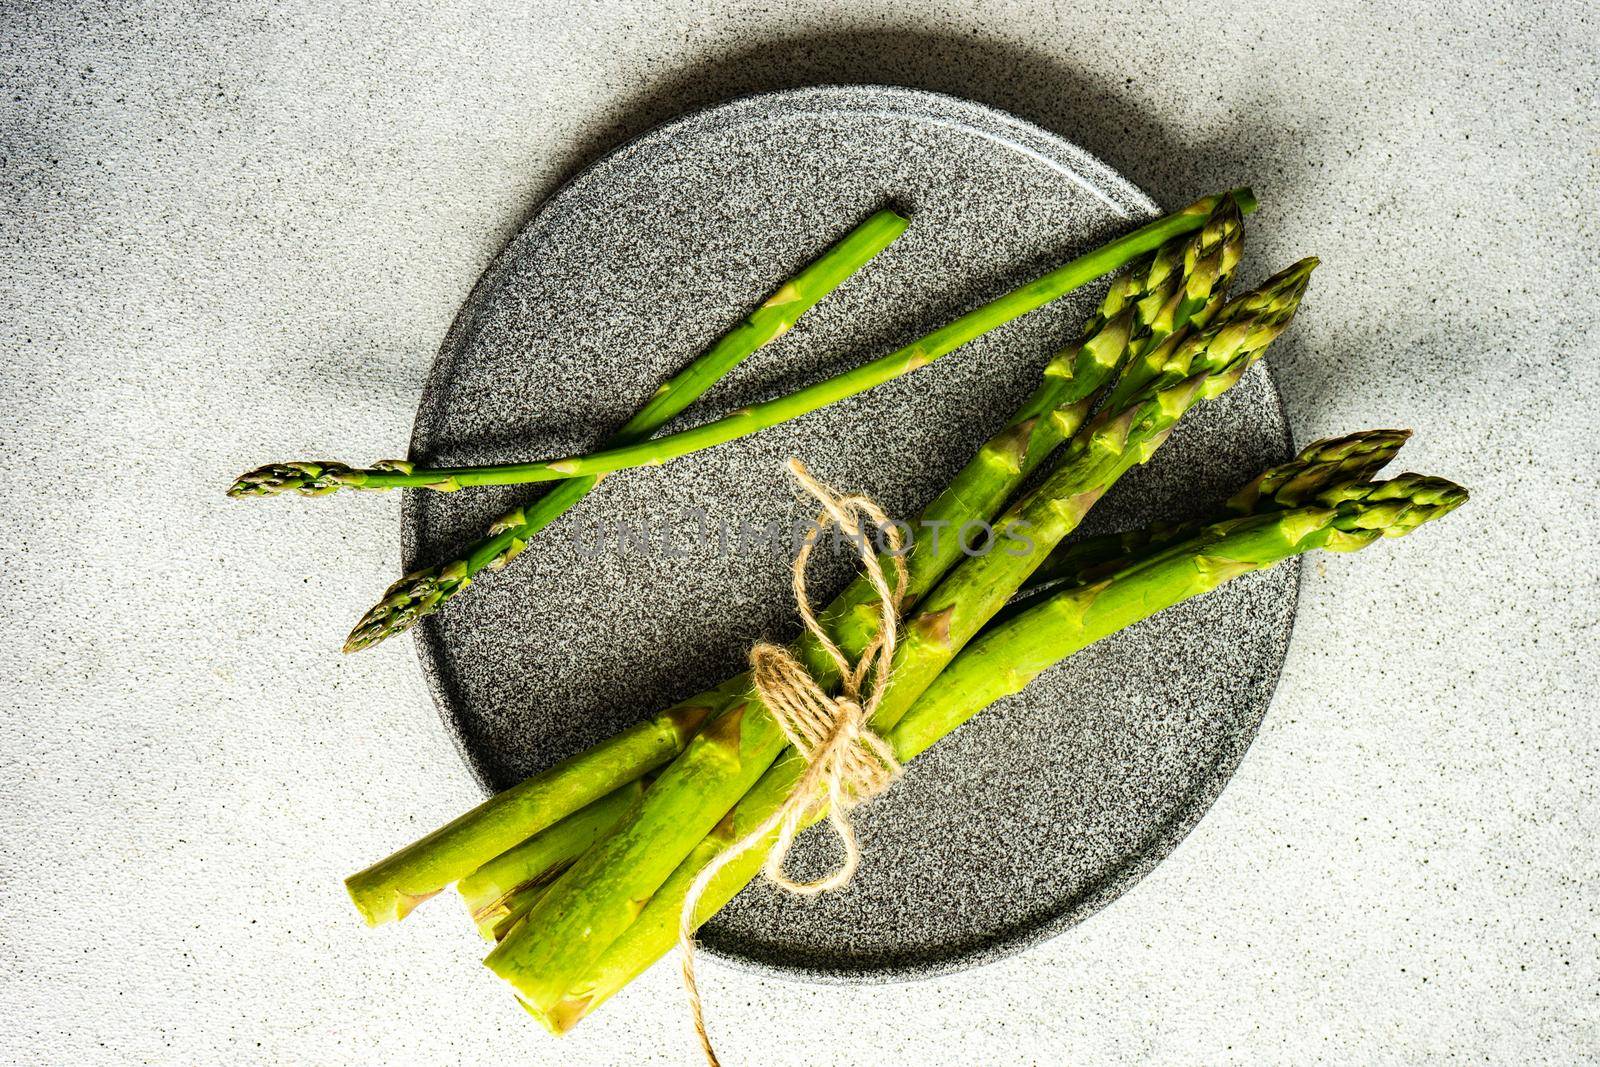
[(846, 762)]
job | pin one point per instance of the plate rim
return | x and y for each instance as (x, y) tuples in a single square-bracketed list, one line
[(1097, 178)]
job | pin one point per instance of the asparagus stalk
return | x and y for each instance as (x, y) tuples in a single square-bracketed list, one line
[(423, 592), (600, 895), (495, 889), (319, 477), (1004, 659), (1185, 278), (390, 889)]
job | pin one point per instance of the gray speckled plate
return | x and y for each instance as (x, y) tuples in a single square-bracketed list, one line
[(1038, 812)]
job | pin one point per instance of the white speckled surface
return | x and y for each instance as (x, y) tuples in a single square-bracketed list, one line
[(236, 235)]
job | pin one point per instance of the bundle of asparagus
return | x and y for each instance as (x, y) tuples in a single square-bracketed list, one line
[(1326, 498), (599, 896), (1182, 281), (582, 875)]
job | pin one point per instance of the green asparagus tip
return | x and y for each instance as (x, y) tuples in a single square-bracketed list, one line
[(406, 601), (308, 478), (1246, 199), (1364, 452), (1394, 508), (1330, 461), (270, 480), (1280, 294)]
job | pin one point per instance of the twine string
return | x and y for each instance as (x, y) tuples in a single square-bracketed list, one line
[(846, 762)]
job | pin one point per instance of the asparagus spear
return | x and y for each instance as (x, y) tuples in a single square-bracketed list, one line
[(390, 889), (1350, 515), (1342, 518), (600, 895), (319, 477), (1185, 278), (492, 891), (423, 592)]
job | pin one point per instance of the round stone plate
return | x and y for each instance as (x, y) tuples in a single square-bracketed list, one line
[(1039, 811)]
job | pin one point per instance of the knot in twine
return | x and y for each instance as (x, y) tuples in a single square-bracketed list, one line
[(846, 762)]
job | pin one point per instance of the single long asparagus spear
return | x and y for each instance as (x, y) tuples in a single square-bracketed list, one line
[(423, 592), (390, 889), (1006, 658), (319, 477), (1345, 517), (598, 897), (1185, 278)]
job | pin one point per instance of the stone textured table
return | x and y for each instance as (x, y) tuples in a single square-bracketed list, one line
[(242, 234)]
